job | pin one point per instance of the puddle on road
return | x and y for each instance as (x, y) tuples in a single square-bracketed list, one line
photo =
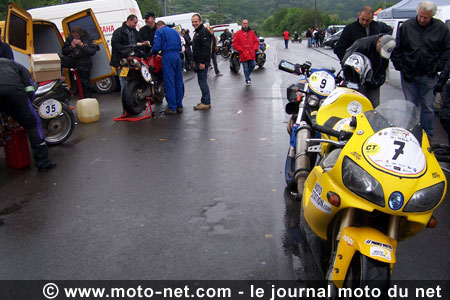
[(213, 215)]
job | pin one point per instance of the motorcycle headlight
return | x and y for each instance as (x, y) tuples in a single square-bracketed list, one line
[(361, 183), (425, 199), (313, 100)]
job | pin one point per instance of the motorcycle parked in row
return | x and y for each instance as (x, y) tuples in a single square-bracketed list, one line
[(304, 99), (144, 80), (260, 53), (375, 182), (225, 48)]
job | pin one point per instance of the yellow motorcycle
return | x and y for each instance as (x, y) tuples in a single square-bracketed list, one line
[(376, 182)]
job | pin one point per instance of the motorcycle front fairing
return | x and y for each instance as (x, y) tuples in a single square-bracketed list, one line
[(384, 171)]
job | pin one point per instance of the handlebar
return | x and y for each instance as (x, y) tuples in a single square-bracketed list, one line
[(341, 135)]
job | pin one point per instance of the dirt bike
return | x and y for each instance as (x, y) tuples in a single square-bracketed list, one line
[(144, 80), (225, 48), (235, 61), (304, 99), (375, 182), (260, 53)]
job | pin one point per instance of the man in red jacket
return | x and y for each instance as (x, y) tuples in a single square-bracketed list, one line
[(286, 38), (246, 42)]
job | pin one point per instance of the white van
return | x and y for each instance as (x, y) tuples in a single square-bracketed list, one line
[(183, 20), (110, 16), (28, 36)]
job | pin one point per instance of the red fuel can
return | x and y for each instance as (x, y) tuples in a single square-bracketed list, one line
[(17, 152)]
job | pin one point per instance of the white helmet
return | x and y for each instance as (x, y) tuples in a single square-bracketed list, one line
[(357, 68)]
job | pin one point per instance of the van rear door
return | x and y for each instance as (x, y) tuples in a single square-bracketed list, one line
[(100, 61), (19, 33)]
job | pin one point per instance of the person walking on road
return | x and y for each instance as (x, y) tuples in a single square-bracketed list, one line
[(168, 41), (214, 49), (246, 43), (378, 49), (286, 39), (423, 48), (16, 93), (309, 36), (364, 26), (201, 48)]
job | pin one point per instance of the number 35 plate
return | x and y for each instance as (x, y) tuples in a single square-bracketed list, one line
[(50, 109)]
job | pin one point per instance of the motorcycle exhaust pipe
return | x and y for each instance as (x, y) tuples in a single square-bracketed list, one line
[(302, 163)]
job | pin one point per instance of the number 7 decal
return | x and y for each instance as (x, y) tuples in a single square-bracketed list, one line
[(399, 150)]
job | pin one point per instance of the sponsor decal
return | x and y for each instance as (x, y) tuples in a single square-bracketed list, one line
[(375, 243), (356, 155), (380, 252), (372, 148), (348, 240), (108, 28), (318, 202)]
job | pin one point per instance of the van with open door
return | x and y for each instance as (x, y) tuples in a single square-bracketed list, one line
[(28, 36)]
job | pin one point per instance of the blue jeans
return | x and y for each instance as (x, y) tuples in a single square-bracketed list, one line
[(309, 42), (248, 67), (420, 92), (202, 77), (286, 43)]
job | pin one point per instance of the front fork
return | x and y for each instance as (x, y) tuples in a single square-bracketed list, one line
[(351, 239)]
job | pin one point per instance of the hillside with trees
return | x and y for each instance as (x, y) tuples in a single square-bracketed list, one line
[(271, 17)]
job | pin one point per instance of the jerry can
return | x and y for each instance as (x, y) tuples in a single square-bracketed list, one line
[(88, 110), (17, 152)]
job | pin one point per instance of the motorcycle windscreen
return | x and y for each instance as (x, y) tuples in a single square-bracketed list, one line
[(19, 33), (100, 61)]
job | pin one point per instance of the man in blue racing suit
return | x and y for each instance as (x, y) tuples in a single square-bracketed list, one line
[(168, 41)]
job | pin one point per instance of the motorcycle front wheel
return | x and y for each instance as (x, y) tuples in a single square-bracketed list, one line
[(58, 129), (365, 271), (132, 101), (289, 172), (225, 52)]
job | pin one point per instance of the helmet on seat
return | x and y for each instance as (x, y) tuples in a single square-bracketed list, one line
[(357, 68)]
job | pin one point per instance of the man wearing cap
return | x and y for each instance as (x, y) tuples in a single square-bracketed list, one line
[(378, 49), (147, 32), (423, 46)]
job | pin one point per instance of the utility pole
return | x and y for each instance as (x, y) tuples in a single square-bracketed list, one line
[(315, 13), (164, 11)]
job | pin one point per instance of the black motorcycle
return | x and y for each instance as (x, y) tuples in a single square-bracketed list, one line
[(225, 48), (235, 62)]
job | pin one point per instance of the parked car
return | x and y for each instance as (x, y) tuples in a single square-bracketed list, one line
[(332, 40)]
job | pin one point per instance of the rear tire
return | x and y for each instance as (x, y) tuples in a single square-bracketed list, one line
[(57, 130), (132, 101)]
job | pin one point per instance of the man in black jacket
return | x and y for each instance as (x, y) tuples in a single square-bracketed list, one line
[(147, 32), (77, 52), (201, 48), (378, 49), (444, 114), (423, 47), (124, 36), (364, 26), (16, 92)]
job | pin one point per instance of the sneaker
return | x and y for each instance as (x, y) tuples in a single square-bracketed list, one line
[(170, 112), (47, 167), (202, 106), (248, 82), (219, 74), (179, 110)]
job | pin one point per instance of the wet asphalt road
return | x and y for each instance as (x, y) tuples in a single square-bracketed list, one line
[(199, 195)]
